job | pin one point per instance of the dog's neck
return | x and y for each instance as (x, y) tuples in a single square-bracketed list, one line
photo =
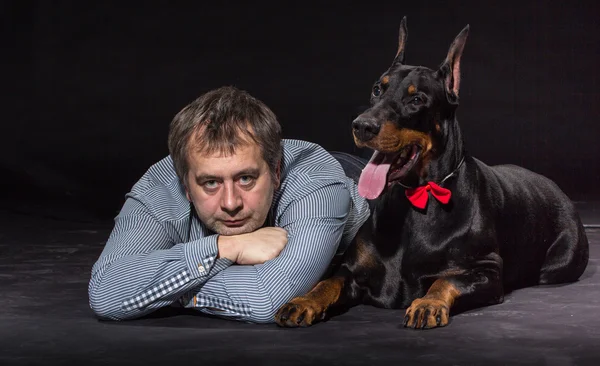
[(450, 152)]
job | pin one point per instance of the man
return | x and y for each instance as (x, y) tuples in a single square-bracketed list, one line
[(234, 222)]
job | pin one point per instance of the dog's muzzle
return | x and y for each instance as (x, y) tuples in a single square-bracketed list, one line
[(364, 128)]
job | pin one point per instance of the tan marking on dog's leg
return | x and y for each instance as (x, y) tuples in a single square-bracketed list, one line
[(433, 309)]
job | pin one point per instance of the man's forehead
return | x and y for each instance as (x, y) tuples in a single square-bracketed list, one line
[(245, 157), (222, 150)]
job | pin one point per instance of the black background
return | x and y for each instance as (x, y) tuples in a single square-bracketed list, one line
[(89, 88)]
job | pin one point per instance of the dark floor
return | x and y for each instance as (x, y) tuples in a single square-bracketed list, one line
[(45, 318)]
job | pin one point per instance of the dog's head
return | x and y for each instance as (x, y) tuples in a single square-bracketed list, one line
[(410, 107)]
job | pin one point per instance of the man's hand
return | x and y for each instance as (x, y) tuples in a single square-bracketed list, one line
[(253, 248)]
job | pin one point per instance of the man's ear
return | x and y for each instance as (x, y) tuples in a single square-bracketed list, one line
[(278, 175), (187, 191)]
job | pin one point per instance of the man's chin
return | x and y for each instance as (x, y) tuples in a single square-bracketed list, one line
[(232, 231), (225, 230)]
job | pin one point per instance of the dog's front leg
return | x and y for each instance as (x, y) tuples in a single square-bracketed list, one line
[(467, 290), (340, 291), (306, 310)]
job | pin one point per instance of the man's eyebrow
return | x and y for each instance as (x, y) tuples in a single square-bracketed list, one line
[(207, 177), (249, 171)]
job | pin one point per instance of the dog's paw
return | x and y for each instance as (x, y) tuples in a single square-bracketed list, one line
[(299, 312), (426, 313)]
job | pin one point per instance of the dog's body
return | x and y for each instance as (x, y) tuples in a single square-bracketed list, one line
[(471, 233)]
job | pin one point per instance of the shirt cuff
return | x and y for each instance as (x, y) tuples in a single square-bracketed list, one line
[(200, 256)]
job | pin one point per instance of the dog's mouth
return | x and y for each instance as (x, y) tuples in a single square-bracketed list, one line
[(385, 169)]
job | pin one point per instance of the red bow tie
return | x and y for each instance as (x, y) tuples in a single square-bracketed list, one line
[(419, 196)]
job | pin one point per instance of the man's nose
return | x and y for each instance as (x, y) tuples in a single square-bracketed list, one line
[(231, 200)]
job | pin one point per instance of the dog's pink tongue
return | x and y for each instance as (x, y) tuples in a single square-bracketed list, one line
[(374, 176)]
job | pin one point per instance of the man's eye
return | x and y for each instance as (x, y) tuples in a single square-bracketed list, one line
[(210, 184), (246, 180)]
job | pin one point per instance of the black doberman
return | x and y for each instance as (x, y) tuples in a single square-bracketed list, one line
[(447, 232)]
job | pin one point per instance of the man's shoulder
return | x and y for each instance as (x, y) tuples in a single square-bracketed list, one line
[(310, 168), (307, 168), (310, 160), (161, 191), (161, 173)]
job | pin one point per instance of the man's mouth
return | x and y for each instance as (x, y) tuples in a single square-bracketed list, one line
[(385, 169), (234, 223)]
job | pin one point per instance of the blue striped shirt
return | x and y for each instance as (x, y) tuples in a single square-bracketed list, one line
[(159, 254)]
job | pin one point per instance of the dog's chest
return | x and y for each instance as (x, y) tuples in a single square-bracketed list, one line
[(411, 251)]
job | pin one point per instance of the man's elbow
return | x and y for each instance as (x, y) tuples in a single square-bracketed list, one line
[(259, 315), (106, 307), (263, 318), (104, 310)]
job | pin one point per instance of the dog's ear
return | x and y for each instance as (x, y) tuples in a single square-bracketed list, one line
[(450, 68), (399, 59)]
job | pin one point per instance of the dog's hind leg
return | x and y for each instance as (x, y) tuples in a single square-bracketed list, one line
[(567, 256)]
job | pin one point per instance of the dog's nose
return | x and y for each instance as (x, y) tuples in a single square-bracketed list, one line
[(365, 128)]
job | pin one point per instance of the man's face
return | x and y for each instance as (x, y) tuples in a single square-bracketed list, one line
[(232, 194)]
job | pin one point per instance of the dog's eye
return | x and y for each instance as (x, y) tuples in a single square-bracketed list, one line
[(376, 91), (416, 100)]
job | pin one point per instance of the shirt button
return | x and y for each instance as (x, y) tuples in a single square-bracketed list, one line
[(201, 268)]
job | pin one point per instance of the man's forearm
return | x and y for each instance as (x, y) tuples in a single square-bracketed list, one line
[(228, 248), (135, 285), (254, 293)]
